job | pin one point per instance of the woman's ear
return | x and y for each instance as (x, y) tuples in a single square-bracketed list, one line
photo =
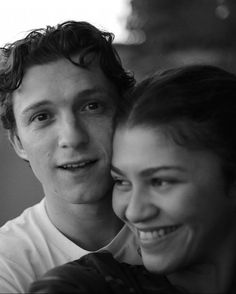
[(17, 145)]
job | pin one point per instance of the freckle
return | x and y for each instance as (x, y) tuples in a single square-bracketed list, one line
[(56, 191)]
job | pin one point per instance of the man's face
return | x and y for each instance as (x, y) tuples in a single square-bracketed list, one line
[(64, 117)]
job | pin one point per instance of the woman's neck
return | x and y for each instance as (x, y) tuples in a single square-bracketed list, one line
[(216, 275)]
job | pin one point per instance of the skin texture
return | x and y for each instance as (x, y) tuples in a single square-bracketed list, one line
[(159, 184), (64, 115)]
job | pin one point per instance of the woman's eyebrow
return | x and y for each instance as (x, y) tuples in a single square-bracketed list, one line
[(151, 170)]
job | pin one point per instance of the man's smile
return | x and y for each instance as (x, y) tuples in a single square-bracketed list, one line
[(74, 165)]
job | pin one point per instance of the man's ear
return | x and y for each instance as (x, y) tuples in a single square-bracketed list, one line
[(17, 145)]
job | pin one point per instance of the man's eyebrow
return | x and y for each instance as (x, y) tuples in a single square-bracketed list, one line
[(87, 93), (35, 106), (94, 91)]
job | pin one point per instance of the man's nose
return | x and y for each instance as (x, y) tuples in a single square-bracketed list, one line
[(140, 207), (72, 133)]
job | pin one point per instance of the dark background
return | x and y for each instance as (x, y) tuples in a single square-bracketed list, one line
[(163, 34)]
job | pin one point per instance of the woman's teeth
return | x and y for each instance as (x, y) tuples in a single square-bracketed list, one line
[(157, 234)]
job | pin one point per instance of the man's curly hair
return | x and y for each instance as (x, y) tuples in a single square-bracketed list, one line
[(45, 45)]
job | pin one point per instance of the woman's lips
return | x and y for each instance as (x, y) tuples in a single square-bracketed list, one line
[(157, 233), (156, 238)]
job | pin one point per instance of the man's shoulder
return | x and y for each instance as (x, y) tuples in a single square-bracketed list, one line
[(18, 238), (20, 230)]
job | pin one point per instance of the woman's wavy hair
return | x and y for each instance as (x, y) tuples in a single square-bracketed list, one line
[(45, 45), (195, 106)]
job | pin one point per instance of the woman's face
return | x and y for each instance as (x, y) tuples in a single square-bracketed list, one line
[(174, 199)]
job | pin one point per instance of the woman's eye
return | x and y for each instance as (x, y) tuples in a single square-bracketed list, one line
[(118, 182), (121, 184), (162, 183)]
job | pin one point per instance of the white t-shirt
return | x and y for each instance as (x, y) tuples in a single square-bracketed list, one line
[(30, 245)]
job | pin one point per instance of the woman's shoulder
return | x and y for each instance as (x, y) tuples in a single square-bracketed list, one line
[(101, 273)]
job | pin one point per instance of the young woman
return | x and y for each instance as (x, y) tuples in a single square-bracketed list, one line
[(174, 168)]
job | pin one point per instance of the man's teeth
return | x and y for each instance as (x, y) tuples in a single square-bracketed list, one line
[(75, 165), (155, 234)]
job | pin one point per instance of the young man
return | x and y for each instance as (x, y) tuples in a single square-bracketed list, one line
[(59, 90)]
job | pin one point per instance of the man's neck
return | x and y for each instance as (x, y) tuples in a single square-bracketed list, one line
[(90, 226)]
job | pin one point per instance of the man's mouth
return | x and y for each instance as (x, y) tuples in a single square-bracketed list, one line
[(72, 166), (155, 234)]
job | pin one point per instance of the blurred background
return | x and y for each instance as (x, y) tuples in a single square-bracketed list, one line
[(150, 36)]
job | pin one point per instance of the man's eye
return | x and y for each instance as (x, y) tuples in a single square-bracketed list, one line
[(40, 117), (93, 107)]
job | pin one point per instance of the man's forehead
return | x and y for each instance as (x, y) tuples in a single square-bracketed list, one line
[(61, 70), (39, 89)]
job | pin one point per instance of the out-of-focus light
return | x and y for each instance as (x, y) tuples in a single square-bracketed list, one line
[(222, 11), (104, 14), (220, 2), (136, 37)]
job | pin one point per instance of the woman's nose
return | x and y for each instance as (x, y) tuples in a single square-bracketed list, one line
[(140, 208), (72, 133)]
